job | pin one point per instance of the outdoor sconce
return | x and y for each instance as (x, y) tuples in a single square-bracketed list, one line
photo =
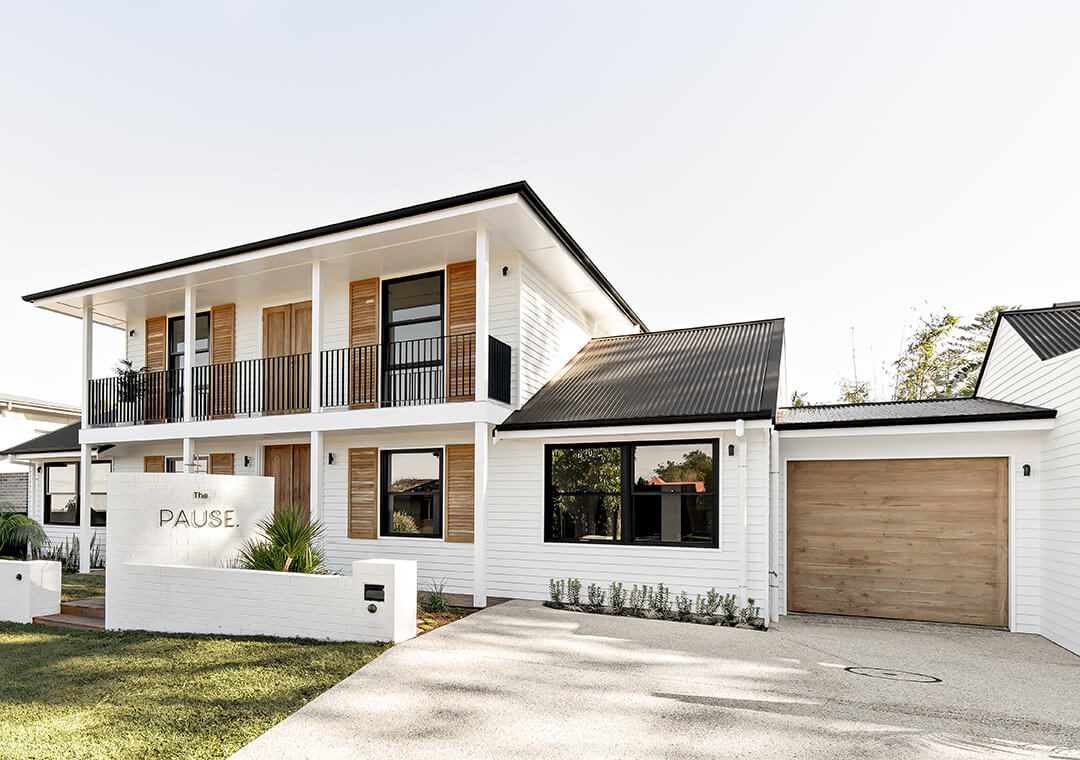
[(1027, 470), (131, 333), (731, 450), (506, 271), (330, 458), (247, 461)]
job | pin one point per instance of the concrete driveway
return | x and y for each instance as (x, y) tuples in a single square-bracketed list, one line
[(523, 681)]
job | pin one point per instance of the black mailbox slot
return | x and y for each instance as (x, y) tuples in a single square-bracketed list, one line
[(374, 593)]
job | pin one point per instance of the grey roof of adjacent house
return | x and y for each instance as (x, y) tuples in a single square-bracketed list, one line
[(930, 411), (1050, 332), (60, 441), (721, 372)]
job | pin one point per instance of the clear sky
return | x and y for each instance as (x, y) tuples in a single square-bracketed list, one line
[(841, 164)]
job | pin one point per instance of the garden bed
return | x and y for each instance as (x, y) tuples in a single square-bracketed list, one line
[(656, 604)]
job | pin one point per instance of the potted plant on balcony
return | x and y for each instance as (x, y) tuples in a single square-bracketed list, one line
[(131, 381)]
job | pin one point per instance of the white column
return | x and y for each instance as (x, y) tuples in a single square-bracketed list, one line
[(87, 360), (189, 463), (483, 267), (189, 350), (316, 477), (481, 442), (316, 344), (743, 524), (84, 508)]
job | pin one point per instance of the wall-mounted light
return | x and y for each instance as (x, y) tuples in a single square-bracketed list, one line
[(1027, 470), (39, 469), (131, 333), (731, 450), (247, 461), (330, 458), (506, 271)]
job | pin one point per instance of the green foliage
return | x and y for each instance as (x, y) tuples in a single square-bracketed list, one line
[(573, 591), (798, 398), (434, 599), (557, 590), (710, 604), (618, 597), (854, 391), (17, 531), (404, 523), (750, 613), (638, 597), (596, 595), (683, 605), (729, 606), (289, 542), (67, 553), (660, 600), (696, 465), (974, 339)]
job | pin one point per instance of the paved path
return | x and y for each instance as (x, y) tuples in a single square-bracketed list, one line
[(522, 681)]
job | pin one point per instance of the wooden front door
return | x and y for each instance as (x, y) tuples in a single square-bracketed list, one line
[(287, 358), (290, 467), (911, 539)]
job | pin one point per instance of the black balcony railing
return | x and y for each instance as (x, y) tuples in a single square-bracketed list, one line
[(404, 373), (136, 398)]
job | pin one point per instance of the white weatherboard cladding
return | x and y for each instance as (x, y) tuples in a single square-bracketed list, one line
[(520, 562), (1015, 373), (920, 442)]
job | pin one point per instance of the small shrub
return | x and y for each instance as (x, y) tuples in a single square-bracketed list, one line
[(557, 590), (660, 600), (730, 606), (434, 599), (618, 598), (573, 591), (683, 604), (709, 605), (596, 595), (637, 598), (66, 553), (288, 541), (750, 613), (404, 523)]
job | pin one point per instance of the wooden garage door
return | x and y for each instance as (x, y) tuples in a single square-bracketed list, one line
[(914, 539)]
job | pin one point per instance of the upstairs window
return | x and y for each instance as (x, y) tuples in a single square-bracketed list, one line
[(663, 494)]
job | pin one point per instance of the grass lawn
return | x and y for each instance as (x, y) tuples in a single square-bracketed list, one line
[(82, 586), (134, 694)]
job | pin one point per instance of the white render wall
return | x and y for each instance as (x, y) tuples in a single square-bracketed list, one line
[(921, 441), (520, 563), (1015, 373)]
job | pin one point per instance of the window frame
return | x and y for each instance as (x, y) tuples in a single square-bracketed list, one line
[(179, 460), (171, 359), (46, 516), (626, 495), (386, 522)]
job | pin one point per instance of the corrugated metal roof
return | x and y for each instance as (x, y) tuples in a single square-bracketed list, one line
[(702, 373), (906, 413), (1049, 332)]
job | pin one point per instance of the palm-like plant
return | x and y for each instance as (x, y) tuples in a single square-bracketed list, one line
[(18, 530), (289, 542)]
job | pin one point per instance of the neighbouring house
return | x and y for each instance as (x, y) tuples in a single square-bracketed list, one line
[(458, 384), (23, 418)]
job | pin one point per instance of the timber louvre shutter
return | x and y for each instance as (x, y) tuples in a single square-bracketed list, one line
[(461, 320), (363, 502), (154, 464), (155, 361), (363, 343), (222, 464), (222, 356), (459, 493)]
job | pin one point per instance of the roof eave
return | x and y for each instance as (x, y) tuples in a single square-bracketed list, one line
[(1036, 414), (761, 414)]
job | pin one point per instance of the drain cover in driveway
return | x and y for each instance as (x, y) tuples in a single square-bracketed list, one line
[(893, 675)]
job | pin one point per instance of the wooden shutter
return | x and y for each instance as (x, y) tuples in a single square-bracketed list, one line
[(154, 464), (222, 356), (156, 362), (363, 340), (363, 487), (459, 493), (222, 464), (461, 330)]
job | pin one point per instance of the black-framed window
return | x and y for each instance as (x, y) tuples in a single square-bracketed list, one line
[(62, 493), (412, 336), (176, 464), (176, 341), (412, 491), (645, 493)]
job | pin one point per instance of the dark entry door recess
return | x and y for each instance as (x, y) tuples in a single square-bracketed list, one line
[(290, 467)]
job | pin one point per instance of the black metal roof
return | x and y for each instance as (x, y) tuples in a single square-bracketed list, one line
[(1050, 332), (61, 440), (722, 372), (521, 188), (930, 411)]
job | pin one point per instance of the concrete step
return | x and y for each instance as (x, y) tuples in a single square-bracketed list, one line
[(94, 608), (76, 622)]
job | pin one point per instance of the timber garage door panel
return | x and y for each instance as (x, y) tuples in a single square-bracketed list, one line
[(913, 539)]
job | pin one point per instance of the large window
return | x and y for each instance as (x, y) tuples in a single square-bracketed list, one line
[(202, 341), (412, 493), (412, 339), (62, 493), (645, 493)]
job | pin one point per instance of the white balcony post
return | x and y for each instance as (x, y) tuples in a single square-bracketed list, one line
[(189, 350), (318, 458), (483, 265), (84, 450), (481, 442), (189, 464), (316, 341)]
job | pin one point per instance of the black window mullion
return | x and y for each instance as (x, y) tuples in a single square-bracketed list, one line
[(626, 505)]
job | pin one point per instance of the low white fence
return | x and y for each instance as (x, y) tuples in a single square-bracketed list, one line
[(28, 589), (376, 603)]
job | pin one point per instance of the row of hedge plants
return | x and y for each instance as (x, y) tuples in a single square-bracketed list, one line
[(656, 603)]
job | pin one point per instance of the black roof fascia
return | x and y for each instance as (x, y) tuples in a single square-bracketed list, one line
[(771, 386), (521, 188), (755, 415), (1035, 414)]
